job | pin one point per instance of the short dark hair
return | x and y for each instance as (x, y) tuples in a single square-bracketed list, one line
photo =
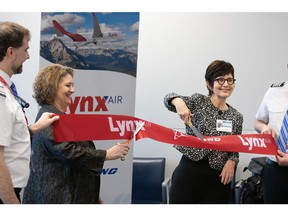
[(215, 69), (12, 35)]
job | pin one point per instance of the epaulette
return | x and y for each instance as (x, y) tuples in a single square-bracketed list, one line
[(277, 84), (2, 91)]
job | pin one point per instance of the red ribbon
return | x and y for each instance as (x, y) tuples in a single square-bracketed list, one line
[(77, 127)]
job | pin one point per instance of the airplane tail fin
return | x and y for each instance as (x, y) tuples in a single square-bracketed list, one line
[(60, 31), (97, 31)]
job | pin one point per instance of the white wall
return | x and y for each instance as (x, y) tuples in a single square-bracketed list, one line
[(176, 48), (174, 51)]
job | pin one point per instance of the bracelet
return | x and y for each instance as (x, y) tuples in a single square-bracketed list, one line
[(235, 159)]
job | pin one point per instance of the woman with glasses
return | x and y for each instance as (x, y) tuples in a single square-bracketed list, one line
[(205, 175)]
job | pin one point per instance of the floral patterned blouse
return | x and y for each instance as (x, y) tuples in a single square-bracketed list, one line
[(204, 118)]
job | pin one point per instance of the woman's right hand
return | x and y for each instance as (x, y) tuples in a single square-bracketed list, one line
[(182, 109), (120, 150)]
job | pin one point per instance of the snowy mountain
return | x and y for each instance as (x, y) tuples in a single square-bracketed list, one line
[(118, 60)]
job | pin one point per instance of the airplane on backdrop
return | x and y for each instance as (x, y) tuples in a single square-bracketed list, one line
[(98, 35)]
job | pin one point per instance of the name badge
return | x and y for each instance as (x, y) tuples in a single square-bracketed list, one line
[(224, 125)]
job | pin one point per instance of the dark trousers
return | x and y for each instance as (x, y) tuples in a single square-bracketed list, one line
[(17, 192), (274, 180), (196, 183)]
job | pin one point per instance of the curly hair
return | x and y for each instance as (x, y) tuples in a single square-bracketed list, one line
[(47, 81), (12, 35)]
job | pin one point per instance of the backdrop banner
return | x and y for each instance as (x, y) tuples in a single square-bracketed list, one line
[(115, 127), (103, 49)]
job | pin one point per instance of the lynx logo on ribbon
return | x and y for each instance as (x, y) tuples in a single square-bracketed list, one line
[(69, 125), (178, 135), (123, 126), (253, 142)]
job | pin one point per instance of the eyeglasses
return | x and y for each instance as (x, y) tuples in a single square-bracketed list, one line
[(221, 81)]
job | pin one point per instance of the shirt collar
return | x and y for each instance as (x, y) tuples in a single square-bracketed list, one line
[(6, 77)]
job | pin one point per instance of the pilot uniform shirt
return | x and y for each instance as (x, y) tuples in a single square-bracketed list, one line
[(273, 107), (204, 118), (14, 135)]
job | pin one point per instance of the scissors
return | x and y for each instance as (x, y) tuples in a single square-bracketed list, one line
[(194, 129), (133, 136)]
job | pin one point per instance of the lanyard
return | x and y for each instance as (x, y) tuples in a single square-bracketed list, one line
[(5, 83), (21, 101)]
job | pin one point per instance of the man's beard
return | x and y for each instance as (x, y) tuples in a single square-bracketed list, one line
[(19, 70)]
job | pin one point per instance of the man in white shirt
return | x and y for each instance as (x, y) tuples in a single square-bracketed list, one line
[(268, 120), (14, 131)]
